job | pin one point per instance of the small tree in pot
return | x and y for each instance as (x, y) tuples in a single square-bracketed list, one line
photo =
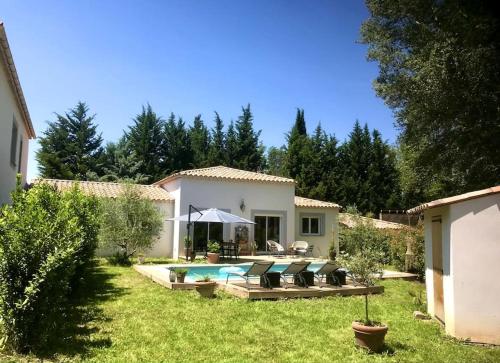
[(213, 251), (364, 269), (180, 273), (188, 246)]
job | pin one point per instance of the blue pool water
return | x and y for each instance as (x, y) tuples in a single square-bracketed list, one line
[(219, 272)]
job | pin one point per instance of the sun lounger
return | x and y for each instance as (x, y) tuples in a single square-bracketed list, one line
[(328, 269), (257, 269), (295, 269)]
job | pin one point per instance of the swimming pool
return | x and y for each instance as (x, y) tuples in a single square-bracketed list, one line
[(219, 272)]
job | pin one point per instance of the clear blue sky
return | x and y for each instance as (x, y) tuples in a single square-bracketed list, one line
[(191, 57)]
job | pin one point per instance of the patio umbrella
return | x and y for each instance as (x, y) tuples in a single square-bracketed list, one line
[(213, 215)]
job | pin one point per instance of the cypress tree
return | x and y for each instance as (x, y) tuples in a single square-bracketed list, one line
[(200, 142), (121, 164), (145, 140), (296, 140), (217, 152), (176, 147), (231, 146), (71, 148), (249, 152)]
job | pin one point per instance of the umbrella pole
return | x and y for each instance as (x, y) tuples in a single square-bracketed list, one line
[(191, 207)]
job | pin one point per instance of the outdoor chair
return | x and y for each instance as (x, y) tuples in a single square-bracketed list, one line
[(257, 269), (275, 248), (299, 248), (328, 269), (295, 270)]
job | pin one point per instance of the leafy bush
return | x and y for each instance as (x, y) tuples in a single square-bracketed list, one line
[(129, 224), (213, 247), (46, 241), (362, 236), (400, 240)]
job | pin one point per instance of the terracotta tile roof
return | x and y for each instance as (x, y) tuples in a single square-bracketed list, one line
[(312, 203), (226, 173), (107, 189), (350, 221), (455, 199), (6, 56)]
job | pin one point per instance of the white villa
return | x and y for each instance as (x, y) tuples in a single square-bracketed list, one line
[(267, 200), (16, 128)]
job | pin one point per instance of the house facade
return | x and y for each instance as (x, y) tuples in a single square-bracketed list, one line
[(462, 254), (15, 124), (267, 200)]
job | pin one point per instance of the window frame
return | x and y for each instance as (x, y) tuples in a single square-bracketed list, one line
[(13, 143), (309, 218)]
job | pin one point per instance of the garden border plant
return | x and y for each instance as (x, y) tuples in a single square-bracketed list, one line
[(47, 242)]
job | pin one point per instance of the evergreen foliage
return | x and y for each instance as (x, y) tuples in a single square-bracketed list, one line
[(144, 140), (71, 148), (199, 137), (217, 149), (176, 148), (439, 71), (249, 151)]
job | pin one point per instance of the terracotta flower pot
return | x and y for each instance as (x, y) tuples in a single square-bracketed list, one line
[(206, 288), (369, 337), (213, 257)]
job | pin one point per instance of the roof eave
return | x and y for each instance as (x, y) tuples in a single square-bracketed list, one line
[(14, 79)]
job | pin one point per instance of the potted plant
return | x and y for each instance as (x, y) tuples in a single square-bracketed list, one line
[(141, 258), (206, 286), (253, 248), (180, 273), (213, 251), (364, 269), (188, 244)]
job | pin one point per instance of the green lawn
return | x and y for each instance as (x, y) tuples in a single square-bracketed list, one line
[(127, 318)]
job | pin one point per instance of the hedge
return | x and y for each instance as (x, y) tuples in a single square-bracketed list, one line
[(47, 240)]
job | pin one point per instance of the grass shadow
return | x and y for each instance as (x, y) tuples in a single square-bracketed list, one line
[(76, 335)]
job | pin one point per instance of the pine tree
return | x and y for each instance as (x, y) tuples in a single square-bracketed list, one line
[(276, 159), (71, 148), (176, 147), (200, 142), (145, 140), (249, 151), (217, 151)]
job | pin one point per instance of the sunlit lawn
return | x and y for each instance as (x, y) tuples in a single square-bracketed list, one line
[(127, 318)]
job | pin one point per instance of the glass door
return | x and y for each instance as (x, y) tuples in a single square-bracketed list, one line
[(266, 228), (204, 232)]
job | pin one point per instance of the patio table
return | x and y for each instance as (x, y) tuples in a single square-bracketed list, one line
[(230, 250)]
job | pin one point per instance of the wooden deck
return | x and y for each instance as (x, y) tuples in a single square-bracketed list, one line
[(256, 293)]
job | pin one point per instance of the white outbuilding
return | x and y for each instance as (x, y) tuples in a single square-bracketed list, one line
[(462, 254)]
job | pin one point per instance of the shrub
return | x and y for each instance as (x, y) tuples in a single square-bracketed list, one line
[(129, 224), (362, 236), (46, 241), (213, 247), (399, 242)]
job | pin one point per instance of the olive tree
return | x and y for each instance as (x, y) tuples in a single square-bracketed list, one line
[(129, 223)]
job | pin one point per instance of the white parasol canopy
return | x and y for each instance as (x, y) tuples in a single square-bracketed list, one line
[(212, 215)]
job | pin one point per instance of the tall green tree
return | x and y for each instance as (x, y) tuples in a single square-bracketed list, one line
[(355, 158), (217, 151), (121, 164), (144, 138), (439, 71), (249, 151), (296, 141), (199, 137), (176, 147), (71, 148), (231, 146), (276, 159)]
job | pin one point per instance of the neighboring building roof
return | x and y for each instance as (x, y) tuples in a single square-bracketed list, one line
[(226, 173), (455, 199), (350, 221), (312, 203), (107, 189), (6, 56)]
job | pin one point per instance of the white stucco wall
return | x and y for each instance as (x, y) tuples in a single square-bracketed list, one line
[(471, 253), (8, 110), (330, 229), (266, 198)]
